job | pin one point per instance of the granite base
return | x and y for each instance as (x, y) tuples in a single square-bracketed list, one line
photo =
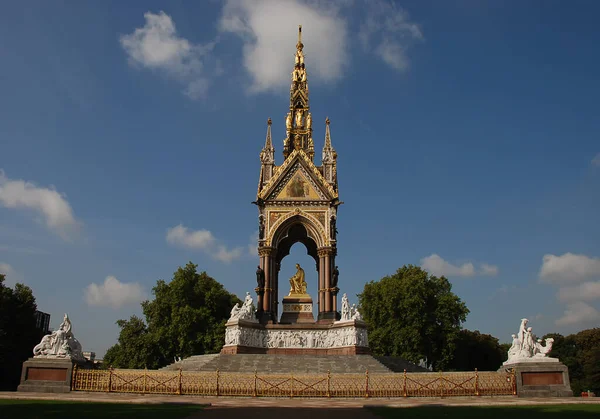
[(46, 375), (541, 379)]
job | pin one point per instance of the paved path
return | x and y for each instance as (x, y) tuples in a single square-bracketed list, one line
[(216, 403)]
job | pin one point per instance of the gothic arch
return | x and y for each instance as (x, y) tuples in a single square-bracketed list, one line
[(298, 226), (282, 228)]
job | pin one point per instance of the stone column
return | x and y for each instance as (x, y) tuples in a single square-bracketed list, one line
[(265, 253), (321, 255), (335, 293), (327, 283), (274, 286), (326, 307)]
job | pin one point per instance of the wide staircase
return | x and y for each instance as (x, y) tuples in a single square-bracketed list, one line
[(287, 364)]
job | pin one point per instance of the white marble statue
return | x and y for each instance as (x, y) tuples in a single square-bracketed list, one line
[(544, 350), (522, 330), (527, 348), (245, 312), (235, 312), (60, 344), (515, 347), (346, 315), (356, 314)]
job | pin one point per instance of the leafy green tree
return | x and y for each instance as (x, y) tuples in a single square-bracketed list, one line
[(187, 317), (580, 352), (476, 350), (18, 331), (134, 349), (413, 315), (504, 347)]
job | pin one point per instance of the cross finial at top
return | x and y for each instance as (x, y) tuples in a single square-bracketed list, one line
[(299, 45)]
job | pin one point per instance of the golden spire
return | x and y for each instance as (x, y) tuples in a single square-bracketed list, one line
[(267, 155), (298, 121)]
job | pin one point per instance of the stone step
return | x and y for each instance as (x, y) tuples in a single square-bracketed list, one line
[(196, 361), (397, 364), (286, 364)]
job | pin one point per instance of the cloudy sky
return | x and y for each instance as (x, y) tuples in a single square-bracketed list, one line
[(467, 134)]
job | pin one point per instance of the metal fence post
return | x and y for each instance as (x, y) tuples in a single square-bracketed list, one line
[(74, 378), (367, 384), (328, 383), (291, 385), (217, 382), (476, 382), (145, 380), (179, 386), (513, 381), (404, 384), (110, 374), (255, 383)]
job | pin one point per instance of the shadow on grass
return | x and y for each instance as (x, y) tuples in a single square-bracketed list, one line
[(492, 412), (42, 409)]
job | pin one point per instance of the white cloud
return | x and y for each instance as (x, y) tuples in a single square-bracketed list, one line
[(10, 273), (226, 255), (588, 291), (491, 270), (253, 245), (388, 32), (579, 314), (158, 46), (268, 29), (202, 240), (568, 268), (199, 239), (596, 160), (113, 293), (48, 202), (435, 265)]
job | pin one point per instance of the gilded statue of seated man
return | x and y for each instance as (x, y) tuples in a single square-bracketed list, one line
[(297, 282)]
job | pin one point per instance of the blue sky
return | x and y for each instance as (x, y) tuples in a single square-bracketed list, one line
[(467, 134)]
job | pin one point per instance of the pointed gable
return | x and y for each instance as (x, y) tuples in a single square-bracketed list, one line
[(297, 179)]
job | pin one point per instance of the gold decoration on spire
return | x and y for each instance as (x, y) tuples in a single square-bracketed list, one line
[(298, 120)]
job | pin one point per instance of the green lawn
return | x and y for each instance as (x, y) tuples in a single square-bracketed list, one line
[(42, 409), (565, 411)]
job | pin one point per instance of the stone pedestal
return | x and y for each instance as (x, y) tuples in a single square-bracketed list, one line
[(47, 375), (297, 309), (542, 377)]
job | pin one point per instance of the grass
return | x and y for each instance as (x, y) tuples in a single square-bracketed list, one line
[(42, 409), (562, 411)]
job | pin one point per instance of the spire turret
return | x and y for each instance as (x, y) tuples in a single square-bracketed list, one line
[(298, 121), (329, 158), (267, 155)]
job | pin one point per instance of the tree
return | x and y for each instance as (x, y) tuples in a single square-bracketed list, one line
[(477, 350), (505, 348), (187, 317), (580, 352), (134, 348), (18, 331), (413, 315)]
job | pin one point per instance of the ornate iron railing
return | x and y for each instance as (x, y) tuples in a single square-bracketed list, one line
[(421, 384)]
